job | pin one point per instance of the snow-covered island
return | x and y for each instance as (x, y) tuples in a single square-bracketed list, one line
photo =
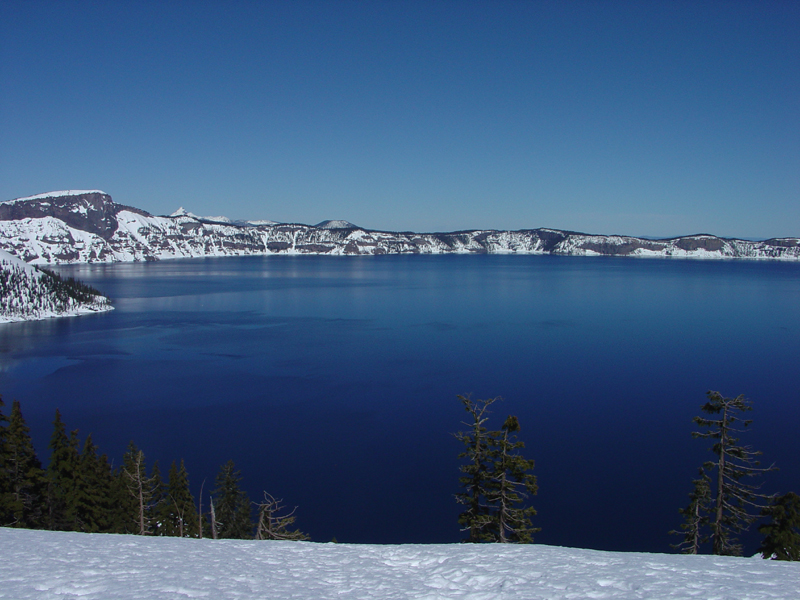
[(39, 565), (27, 293), (78, 226)]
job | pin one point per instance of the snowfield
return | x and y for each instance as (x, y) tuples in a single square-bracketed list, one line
[(45, 564)]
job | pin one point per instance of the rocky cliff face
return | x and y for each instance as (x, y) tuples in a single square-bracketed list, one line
[(91, 211), (87, 226)]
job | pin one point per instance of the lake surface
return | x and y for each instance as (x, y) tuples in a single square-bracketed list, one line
[(332, 381)]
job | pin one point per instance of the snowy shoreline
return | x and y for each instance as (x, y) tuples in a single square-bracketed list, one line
[(54, 315), (45, 564)]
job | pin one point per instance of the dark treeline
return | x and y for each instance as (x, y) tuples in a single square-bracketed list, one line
[(79, 490), (69, 287)]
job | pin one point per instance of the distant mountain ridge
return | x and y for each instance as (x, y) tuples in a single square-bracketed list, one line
[(85, 226)]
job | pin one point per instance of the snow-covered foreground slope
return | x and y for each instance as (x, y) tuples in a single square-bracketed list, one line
[(42, 564)]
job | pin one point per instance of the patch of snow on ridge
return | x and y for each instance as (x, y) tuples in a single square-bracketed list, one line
[(256, 222), (335, 224), (219, 219), (182, 212), (50, 564), (56, 195)]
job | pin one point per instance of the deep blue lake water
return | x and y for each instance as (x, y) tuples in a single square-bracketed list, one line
[(332, 381)]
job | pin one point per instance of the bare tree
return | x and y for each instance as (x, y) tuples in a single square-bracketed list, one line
[(179, 513), (139, 485), (274, 522), (200, 513), (213, 519)]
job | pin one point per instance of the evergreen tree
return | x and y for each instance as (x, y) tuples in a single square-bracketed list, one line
[(497, 479), (782, 534), (732, 497), (511, 483), (475, 480), (26, 477), (61, 478), (94, 502), (125, 513), (5, 474), (231, 505), (695, 516), (158, 501), (106, 480), (180, 516)]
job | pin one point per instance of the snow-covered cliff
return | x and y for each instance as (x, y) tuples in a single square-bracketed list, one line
[(87, 226)]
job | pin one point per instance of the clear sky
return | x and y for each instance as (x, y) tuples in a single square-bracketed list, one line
[(644, 118)]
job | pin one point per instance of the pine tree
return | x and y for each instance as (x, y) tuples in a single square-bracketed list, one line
[(27, 484), (695, 516), (94, 501), (5, 474), (125, 513), (158, 501), (475, 519), (511, 483), (104, 476), (231, 505), (496, 480), (733, 498), (179, 513), (61, 478), (782, 534)]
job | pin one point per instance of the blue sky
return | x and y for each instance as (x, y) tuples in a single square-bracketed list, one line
[(643, 118)]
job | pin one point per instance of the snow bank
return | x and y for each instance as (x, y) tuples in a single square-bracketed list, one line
[(42, 564)]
